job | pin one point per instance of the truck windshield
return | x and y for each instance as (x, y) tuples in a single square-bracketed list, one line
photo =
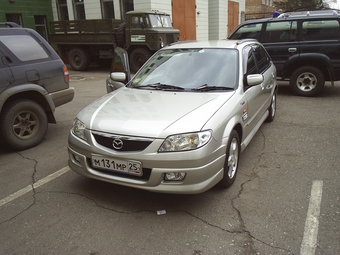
[(159, 20)]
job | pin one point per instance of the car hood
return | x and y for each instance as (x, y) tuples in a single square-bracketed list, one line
[(150, 113)]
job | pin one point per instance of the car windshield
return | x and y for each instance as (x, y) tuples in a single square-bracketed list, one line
[(159, 20), (189, 69)]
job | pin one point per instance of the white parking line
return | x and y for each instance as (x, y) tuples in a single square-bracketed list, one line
[(29, 188), (310, 235)]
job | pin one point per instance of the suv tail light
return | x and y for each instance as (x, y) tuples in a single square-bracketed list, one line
[(66, 75)]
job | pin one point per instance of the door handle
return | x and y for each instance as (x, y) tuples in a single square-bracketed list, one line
[(292, 49)]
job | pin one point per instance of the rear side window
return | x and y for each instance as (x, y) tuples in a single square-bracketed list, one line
[(24, 47), (320, 30), (248, 31), (283, 31)]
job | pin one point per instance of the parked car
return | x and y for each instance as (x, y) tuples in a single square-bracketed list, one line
[(304, 47), (33, 82), (180, 124)]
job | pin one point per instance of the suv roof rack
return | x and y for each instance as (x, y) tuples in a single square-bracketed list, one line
[(9, 24), (246, 40), (308, 13)]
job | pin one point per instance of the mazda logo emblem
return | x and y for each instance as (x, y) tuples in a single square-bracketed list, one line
[(117, 144)]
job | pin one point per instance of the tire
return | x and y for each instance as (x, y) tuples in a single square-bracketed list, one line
[(23, 124), (232, 160), (121, 35), (138, 57), (272, 108), (78, 59), (307, 81)]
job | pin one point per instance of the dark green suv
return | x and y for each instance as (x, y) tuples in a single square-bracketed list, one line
[(33, 82), (304, 46)]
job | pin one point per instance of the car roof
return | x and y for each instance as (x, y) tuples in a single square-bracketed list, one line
[(297, 15), (229, 44)]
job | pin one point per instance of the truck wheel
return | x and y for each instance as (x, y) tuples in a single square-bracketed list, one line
[(23, 124), (138, 57), (121, 35), (78, 59), (307, 81)]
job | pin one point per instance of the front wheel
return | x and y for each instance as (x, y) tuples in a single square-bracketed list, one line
[(138, 57), (23, 124), (272, 108), (307, 81), (232, 159)]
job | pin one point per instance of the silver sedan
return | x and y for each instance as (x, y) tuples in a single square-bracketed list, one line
[(180, 124)]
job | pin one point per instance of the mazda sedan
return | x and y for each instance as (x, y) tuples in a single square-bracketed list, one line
[(180, 124)]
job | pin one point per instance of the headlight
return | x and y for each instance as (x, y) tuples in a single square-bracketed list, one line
[(185, 142), (78, 129)]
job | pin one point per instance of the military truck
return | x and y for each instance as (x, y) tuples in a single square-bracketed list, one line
[(141, 33)]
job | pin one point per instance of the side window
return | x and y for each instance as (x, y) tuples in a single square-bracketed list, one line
[(137, 22), (15, 44), (248, 31), (320, 30), (251, 63), (283, 31), (262, 58)]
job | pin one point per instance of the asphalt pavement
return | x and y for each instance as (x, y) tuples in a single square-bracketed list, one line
[(285, 199)]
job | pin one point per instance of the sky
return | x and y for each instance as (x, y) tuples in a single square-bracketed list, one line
[(335, 4)]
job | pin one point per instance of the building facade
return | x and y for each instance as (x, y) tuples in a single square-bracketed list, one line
[(33, 14), (196, 19)]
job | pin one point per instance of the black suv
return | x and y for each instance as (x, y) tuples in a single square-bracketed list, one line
[(304, 46), (33, 82)]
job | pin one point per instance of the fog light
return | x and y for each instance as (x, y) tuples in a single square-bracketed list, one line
[(174, 176), (76, 159)]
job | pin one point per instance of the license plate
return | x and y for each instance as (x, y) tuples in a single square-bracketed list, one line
[(129, 167)]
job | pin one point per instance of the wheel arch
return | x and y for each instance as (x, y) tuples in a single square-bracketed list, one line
[(320, 61), (34, 93)]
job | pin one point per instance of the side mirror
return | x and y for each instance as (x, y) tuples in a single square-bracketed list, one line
[(118, 76), (115, 81), (254, 79)]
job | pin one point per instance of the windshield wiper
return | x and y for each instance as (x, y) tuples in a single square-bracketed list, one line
[(205, 87), (160, 86)]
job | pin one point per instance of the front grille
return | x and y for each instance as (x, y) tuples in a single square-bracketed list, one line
[(129, 143)]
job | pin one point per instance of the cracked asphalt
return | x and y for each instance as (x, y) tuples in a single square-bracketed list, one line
[(264, 212)]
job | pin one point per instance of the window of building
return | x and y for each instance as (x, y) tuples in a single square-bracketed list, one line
[(14, 17), (79, 9), (107, 9), (62, 10), (40, 25), (126, 5)]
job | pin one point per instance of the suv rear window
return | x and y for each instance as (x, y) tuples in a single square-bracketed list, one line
[(14, 44)]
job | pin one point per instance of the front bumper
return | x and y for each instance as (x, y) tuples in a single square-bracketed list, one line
[(203, 170)]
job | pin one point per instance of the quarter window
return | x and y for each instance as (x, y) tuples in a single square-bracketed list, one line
[(14, 43), (320, 30)]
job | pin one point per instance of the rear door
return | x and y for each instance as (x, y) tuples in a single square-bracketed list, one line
[(280, 40), (6, 76)]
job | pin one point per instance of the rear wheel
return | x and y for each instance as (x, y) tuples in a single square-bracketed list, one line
[(307, 81), (78, 59), (138, 57), (23, 124), (232, 159)]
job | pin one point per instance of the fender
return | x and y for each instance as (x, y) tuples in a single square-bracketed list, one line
[(309, 57), (26, 88)]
